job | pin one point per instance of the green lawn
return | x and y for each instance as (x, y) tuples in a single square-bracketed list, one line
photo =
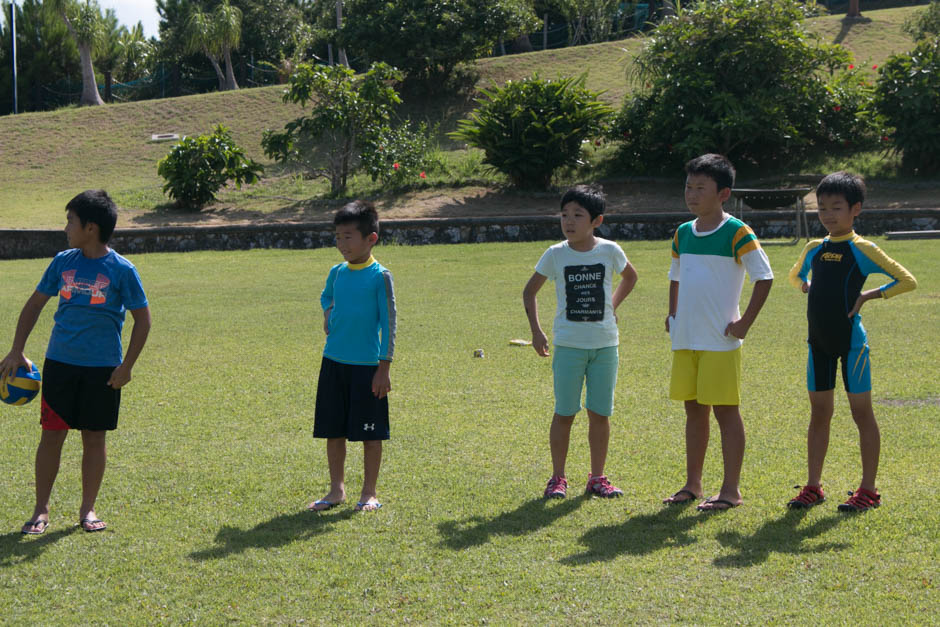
[(213, 464), (46, 158)]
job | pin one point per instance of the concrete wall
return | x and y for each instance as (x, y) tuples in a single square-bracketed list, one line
[(26, 244)]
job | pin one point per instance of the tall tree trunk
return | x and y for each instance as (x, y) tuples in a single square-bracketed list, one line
[(218, 70), (854, 9), (230, 83), (108, 81), (339, 24), (90, 95)]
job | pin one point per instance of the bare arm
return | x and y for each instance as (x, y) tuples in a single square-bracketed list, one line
[(24, 326), (673, 302), (740, 327), (539, 340), (382, 381), (628, 279), (121, 375)]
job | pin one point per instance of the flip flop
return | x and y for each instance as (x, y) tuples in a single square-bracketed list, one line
[(365, 506), (322, 505), (34, 527), (672, 500), (704, 507), (87, 523)]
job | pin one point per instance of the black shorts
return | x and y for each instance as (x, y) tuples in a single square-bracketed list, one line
[(78, 397), (346, 406)]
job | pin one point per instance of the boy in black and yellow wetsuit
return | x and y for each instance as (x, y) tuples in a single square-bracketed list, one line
[(839, 265)]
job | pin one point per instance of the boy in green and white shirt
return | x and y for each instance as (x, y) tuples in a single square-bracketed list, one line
[(709, 258)]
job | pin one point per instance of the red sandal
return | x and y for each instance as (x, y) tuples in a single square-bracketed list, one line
[(809, 496), (861, 500)]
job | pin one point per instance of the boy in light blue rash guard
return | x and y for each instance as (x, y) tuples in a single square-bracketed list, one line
[(359, 320)]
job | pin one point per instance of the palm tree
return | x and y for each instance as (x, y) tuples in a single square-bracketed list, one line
[(216, 34), (83, 19)]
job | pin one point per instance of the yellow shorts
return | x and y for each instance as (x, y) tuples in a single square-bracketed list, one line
[(709, 377)]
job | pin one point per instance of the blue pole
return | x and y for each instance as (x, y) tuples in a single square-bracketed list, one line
[(13, 32)]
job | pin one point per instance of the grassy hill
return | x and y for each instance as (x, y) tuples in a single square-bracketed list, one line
[(45, 158)]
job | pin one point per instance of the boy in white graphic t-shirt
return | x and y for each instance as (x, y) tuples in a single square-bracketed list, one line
[(584, 330)]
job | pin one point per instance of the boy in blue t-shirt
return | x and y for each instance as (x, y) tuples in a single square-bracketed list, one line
[(359, 319), (84, 371), (585, 332)]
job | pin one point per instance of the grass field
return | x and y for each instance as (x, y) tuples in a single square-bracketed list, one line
[(213, 464), (47, 158)]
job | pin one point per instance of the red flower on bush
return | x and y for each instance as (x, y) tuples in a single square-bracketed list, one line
[(851, 67), (395, 165), (874, 67), (837, 108), (423, 175), (885, 139)]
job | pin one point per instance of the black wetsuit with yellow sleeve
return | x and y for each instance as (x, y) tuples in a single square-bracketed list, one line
[(839, 267)]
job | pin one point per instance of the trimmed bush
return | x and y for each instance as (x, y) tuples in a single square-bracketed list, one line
[(528, 129), (198, 167), (908, 95), (745, 79)]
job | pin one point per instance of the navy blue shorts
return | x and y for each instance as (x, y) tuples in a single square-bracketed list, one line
[(346, 406), (78, 397), (821, 369)]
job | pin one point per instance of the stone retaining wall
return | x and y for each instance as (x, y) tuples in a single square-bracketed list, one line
[(27, 244)]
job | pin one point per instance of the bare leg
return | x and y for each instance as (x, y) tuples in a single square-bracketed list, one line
[(732, 450), (817, 436), (372, 460), (599, 440), (94, 459), (558, 437), (48, 455), (869, 437), (336, 460), (696, 443)]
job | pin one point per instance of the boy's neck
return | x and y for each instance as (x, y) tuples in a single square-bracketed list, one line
[(95, 251), (584, 245), (710, 220)]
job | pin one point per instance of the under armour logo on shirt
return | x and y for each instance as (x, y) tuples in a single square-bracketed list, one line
[(368, 427)]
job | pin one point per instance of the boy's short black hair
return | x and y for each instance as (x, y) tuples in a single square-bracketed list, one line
[(362, 213), (591, 197), (849, 186), (95, 206), (714, 166)]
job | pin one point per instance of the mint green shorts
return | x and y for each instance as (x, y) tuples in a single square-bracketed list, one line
[(576, 366)]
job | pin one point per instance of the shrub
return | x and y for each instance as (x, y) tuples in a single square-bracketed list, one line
[(198, 167), (924, 24), (397, 156), (347, 113), (530, 128), (908, 95), (742, 78)]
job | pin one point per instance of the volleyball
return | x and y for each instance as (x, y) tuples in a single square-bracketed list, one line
[(22, 387)]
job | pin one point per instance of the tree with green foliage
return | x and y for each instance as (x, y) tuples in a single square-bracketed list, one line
[(745, 79), (84, 23), (347, 113), (122, 52), (528, 129), (426, 39), (924, 24), (908, 95), (216, 34), (197, 168)]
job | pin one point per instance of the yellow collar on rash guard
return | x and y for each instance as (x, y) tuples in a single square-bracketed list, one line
[(359, 266), (843, 238)]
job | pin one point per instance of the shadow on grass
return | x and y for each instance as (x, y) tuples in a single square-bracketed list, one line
[(276, 532), (16, 548), (638, 535), (527, 518), (782, 535)]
